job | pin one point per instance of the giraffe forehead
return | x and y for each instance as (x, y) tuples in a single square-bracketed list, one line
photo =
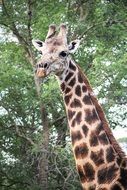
[(56, 41), (55, 44)]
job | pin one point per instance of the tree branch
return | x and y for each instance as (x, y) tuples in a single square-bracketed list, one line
[(23, 136), (29, 13), (12, 25), (13, 28), (88, 29), (58, 120), (107, 22)]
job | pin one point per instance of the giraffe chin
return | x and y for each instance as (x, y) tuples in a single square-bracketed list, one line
[(41, 73)]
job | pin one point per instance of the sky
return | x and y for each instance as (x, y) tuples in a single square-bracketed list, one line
[(120, 132)]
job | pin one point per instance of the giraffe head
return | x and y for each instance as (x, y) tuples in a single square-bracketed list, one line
[(55, 51)]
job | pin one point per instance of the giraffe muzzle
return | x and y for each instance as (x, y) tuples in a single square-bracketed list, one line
[(40, 72), (41, 69)]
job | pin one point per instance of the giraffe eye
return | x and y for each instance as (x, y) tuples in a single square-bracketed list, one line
[(63, 54)]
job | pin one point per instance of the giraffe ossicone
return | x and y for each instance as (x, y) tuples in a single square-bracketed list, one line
[(100, 161)]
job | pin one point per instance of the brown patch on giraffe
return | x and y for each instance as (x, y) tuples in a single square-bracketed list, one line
[(73, 123), (97, 157), (93, 139), (124, 164), (107, 174), (71, 114), (51, 35), (90, 116), (103, 188), (87, 100), (110, 154), (76, 136), (80, 79), (103, 139), (69, 75), (62, 86), (77, 119), (81, 174), (57, 43), (89, 172), (81, 151), (123, 176), (85, 130), (66, 71), (78, 90), (72, 82), (67, 98), (67, 90), (71, 66), (84, 88), (99, 129), (76, 103), (93, 187), (116, 187), (118, 160)]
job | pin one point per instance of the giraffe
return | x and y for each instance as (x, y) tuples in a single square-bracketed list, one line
[(100, 161)]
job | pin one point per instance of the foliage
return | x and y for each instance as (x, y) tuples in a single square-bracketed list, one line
[(123, 140)]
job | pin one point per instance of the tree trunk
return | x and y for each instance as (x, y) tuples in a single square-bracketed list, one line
[(43, 154), (43, 161), (27, 44)]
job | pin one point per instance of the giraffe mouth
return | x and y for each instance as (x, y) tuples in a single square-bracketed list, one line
[(41, 73)]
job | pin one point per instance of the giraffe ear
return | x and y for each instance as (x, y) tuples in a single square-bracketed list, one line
[(73, 46), (37, 44)]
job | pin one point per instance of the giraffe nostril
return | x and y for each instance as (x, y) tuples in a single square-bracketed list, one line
[(42, 66), (45, 65), (39, 65)]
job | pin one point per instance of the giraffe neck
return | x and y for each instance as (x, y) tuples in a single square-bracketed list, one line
[(96, 158)]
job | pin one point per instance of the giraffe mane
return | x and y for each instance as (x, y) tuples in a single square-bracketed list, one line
[(103, 119)]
